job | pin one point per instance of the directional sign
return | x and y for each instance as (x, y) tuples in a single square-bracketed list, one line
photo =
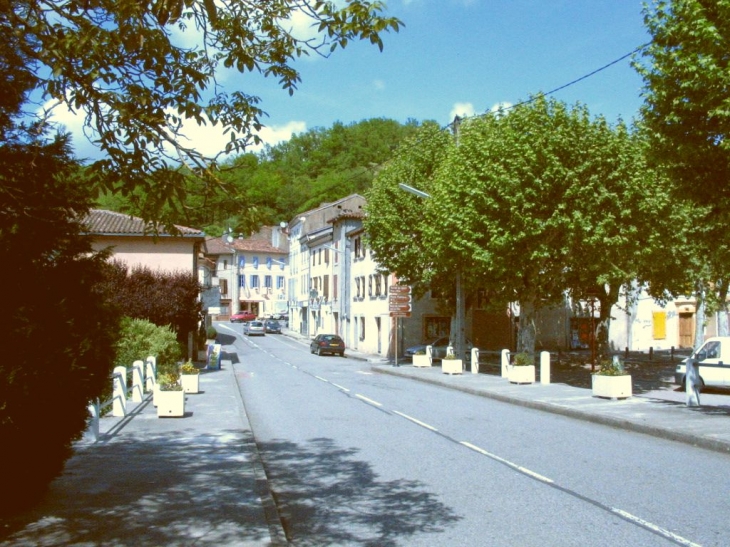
[(399, 298), (400, 289), (400, 307), (400, 314)]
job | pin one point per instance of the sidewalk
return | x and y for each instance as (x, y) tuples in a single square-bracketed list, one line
[(149, 481)]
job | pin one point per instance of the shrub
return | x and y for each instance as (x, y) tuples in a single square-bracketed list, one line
[(211, 333), (614, 367), (189, 368), (140, 338), (524, 359)]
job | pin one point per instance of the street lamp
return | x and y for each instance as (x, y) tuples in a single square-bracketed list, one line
[(459, 341)]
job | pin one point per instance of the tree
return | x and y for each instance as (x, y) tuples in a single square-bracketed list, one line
[(396, 221), (540, 201), (138, 70), (686, 116), (57, 327)]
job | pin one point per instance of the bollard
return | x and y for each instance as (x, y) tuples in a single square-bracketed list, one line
[(92, 433), (544, 367), (692, 383), (119, 392), (137, 381), (626, 353), (671, 355), (429, 354), (505, 363), (651, 354), (151, 375), (474, 360)]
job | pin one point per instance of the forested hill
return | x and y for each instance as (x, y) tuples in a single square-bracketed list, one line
[(320, 165)]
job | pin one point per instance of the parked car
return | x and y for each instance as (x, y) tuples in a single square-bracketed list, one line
[(438, 348), (242, 316), (254, 328), (713, 359), (272, 327), (327, 343)]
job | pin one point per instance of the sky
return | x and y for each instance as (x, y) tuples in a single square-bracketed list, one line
[(454, 57)]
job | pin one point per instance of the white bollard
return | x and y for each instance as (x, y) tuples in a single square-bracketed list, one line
[(151, 375), (137, 381), (544, 367), (92, 433), (474, 360), (692, 383), (429, 354), (119, 392), (505, 363)]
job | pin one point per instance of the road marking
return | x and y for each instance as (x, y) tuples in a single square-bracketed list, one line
[(365, 372), (415, 421), (325, 380), (655, 528), (343, 388), (513, 465), (370, 401)]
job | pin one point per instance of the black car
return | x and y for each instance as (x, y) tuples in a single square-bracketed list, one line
[(272, 327), (327, 343)]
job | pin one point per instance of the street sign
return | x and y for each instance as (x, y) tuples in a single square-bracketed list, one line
[(400, 307), (400, 314), (399, 298), (400, 289)]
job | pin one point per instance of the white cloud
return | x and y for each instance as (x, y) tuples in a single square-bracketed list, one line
[(463, 110), (206, 139), (504, 106)]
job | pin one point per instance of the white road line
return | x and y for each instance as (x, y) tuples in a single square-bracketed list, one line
[(325, 380), (343, 388), (370, 401), (365, 372), (507, 462), (419, 422), (655, 528)]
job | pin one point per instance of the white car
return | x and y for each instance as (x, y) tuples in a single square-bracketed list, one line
[(713, 359), (254, 328)]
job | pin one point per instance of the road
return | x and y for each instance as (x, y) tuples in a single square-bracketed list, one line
[(356, 458)]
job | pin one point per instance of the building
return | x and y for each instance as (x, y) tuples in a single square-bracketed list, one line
[(249, 273)]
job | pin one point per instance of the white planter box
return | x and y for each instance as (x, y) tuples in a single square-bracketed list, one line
[(421, 361), (523, 374), (170, 404), (452, 366), (190, 383), (612, 387)]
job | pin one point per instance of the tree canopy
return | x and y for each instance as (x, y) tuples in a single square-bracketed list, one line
[(137, 70)]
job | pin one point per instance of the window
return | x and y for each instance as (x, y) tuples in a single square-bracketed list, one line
[(660, 325), (378, 285), (334, 286), (268, 281), (362, 328), (225, 264), (280, 282), (326, 287), (254, 281), (370, 285), (242, 281), (224, 286), (326, 256), (336, 257)]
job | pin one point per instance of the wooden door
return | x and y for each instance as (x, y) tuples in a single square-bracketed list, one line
[(686, 330)]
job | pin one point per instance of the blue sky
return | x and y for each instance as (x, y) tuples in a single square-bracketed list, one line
[(461, 56)]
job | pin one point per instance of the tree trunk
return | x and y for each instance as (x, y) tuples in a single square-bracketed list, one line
[(722, 321), (527, 332), (700, 319)]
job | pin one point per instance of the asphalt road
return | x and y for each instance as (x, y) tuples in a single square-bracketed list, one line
[(360, 459)]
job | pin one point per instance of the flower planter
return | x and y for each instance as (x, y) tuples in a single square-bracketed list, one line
[(612, 387), (421, 361), (170, 404), (452, 366), (190, 383), (521, 374)]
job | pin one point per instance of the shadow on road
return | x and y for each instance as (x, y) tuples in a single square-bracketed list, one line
[(326, 496)]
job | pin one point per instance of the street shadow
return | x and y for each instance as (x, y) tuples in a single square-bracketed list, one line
[(722, 410), (158, 490), (225, 339), (326, 496)]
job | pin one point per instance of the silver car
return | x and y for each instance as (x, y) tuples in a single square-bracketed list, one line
[(254, 328)]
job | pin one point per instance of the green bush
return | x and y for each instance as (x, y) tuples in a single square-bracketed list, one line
[(524, 359), (140, 338), (211, 333)]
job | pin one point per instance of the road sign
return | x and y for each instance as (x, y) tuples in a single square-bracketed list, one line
[(399, 298), (400, 307), (400, 289), (400, 314)]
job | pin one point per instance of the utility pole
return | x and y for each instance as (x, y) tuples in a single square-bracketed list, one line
[(460, 312)]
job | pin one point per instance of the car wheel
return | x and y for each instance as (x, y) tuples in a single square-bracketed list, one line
[(319, 352), (342, 354), (311, 350)]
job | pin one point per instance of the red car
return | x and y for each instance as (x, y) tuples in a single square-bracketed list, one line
[(242, 316)]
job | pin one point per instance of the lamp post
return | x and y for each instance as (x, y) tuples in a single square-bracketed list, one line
[(460, 312)]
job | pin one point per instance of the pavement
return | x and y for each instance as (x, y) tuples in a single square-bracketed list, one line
[(199, 480)]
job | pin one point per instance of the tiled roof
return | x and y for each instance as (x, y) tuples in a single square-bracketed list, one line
[(100, 222)]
